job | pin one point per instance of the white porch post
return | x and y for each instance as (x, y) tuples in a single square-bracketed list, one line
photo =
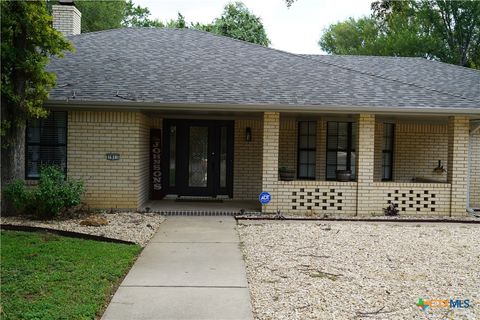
[(457, 174), (271, 129), (365, 161)]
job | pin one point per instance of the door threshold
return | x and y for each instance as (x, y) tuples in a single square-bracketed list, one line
[(198, 199)]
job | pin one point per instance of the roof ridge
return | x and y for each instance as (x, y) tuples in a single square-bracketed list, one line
[(358, 55), (391, 79)]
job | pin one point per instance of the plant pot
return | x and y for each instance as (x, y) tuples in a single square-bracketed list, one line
[(344, 175), (286, 175)]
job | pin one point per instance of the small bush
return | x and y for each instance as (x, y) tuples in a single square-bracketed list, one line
[(53, 193)]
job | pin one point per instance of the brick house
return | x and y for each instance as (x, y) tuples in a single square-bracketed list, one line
[(139, 114)]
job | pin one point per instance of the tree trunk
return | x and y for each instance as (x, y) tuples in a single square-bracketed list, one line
[(12, 154)]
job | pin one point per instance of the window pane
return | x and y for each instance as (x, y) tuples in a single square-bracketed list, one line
[(223, 157), (173, 156), (198, 157), (312, 128), (311, 171), (342, 160), (387, 159), (311, 157), (303, 142), (331, 172), (353, 163), (386, 173), (46, 143), (332, 158), (332, 142), (303, 171), (342, 142), (332, 128), (343, 128), (311, 142), (303, 128), (303, 157)]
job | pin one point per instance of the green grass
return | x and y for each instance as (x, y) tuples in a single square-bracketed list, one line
[(45, 276)]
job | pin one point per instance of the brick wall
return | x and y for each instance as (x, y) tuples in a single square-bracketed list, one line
[(418, 147), (247, 160), (288, 144), (66, 19), (109, 184), (475, 171)]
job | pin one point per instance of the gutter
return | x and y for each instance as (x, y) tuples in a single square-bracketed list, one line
[(474, 128), (293, 108)]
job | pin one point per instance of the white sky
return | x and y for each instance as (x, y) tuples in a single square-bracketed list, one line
[(296, 29)]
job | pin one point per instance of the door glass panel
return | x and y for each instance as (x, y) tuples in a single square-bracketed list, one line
[(223, 157), (172, 162), (198, 157)]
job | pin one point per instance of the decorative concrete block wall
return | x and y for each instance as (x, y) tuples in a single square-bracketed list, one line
[(91, 135), (316, 197), (410, 198)]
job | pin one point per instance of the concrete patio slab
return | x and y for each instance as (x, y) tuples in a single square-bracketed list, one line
[(192, 269)]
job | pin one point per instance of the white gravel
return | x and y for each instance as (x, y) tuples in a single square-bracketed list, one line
[(129, 226), (350, 270)]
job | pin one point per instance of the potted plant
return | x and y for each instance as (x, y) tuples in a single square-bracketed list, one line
[(286, 174), (344, 175)]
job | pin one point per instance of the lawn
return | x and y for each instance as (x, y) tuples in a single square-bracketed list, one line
[(45, 276)]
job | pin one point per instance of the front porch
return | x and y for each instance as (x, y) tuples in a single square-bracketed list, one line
[(420, 165)]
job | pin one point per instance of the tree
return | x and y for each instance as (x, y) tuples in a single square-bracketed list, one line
[(28, 40), (179, 23), (100, 15), (137, 16), (239, 23), (447, 31)]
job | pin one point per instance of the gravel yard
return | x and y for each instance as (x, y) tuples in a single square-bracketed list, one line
[(129, 226), (355, 270)]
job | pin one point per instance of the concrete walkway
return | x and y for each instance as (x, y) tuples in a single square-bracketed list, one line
[(191, 269)]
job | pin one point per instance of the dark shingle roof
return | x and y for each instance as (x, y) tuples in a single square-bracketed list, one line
[(443, 77), (194, 67)]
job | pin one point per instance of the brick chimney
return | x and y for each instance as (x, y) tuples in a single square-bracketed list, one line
[(66, 18)]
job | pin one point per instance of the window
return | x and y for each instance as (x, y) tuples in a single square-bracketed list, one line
[(307, 133), (46, 143), (387, 151), (340, 148)]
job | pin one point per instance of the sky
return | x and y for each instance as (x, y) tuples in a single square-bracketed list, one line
[(296, 29)]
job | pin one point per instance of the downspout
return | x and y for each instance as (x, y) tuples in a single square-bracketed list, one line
[(475, 127)]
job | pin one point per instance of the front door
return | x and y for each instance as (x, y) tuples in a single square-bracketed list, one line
[(198, 157)]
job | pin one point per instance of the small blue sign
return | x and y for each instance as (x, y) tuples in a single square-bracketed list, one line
[(264, 197)]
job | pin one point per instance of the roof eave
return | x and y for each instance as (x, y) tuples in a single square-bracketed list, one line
[(161, 106)]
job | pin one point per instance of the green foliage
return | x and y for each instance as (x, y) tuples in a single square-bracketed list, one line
[(179, 23), (101, 15), (45, 276), (137, 16), (448, 31), (28, 41), (239, 23), (53, 194)]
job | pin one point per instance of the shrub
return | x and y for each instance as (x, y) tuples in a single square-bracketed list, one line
[(53, 193)]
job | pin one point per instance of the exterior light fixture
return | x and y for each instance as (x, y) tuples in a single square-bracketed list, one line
[(248, 134)]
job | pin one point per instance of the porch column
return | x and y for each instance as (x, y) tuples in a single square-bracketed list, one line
[(365, 161), (457, 170), (271, 129)]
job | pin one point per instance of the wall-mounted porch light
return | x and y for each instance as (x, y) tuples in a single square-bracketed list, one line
[(248, 134)]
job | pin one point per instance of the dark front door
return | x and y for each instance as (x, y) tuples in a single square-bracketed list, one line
[(198, 157)]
